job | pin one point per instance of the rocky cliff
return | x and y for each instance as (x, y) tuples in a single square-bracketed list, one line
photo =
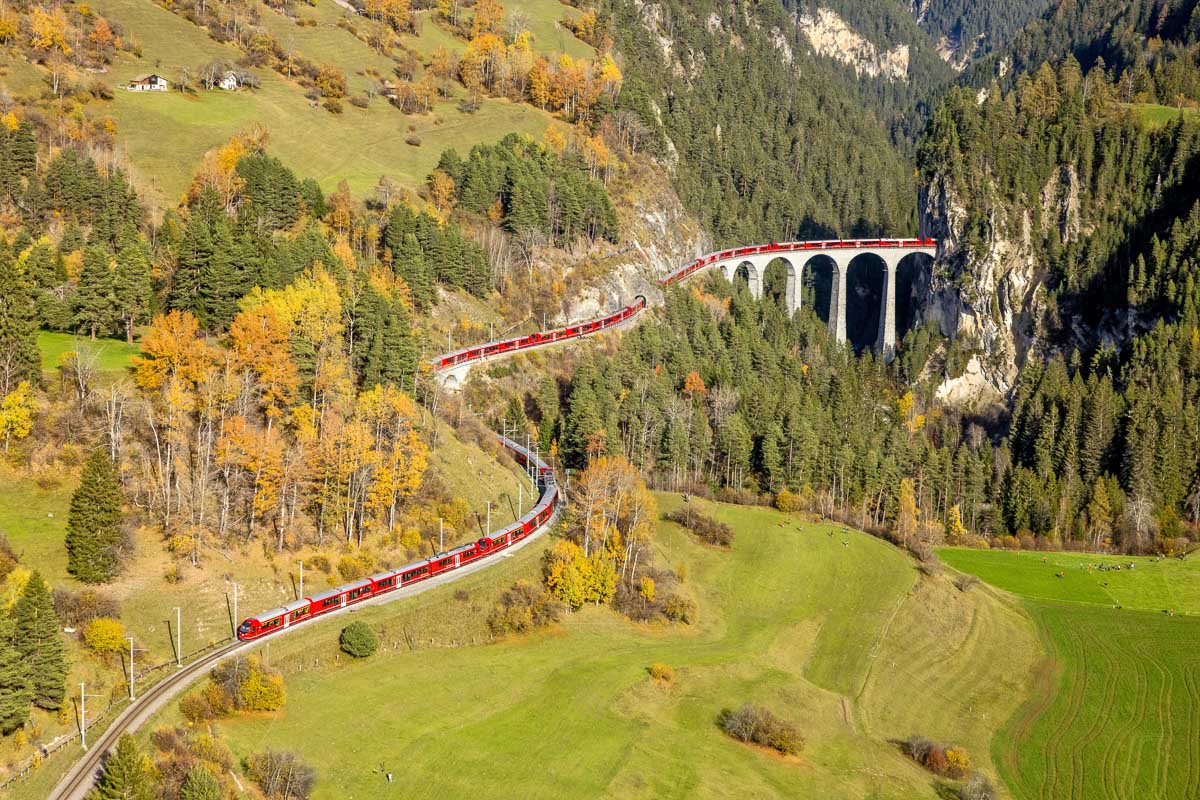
[(987, 287)]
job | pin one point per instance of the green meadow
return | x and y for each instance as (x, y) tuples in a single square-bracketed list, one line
[(1114, 708), (790, 617)]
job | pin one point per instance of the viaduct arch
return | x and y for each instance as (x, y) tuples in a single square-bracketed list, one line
[(750, 264)]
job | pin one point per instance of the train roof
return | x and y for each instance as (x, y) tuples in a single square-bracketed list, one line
[(378, 576), (335, 591), (415, 565)]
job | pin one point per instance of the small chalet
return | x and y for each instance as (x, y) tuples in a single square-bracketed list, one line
[(149, 83), (229, 81)]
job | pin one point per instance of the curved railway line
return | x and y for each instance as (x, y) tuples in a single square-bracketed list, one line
[(80, 778), (82, 775)]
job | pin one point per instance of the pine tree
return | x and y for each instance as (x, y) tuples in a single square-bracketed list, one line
[(94, 537), (195, 251), (20, 359), (37, 638), (131, 287), (514, 416), (128, 774), (16, 693)]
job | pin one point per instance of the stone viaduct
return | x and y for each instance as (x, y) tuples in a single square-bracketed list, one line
[(452, 368), (796, 256)]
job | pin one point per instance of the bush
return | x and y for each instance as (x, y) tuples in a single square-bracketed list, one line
[(104, 635), (413, 140), (462, 595), (757, 725), (523, 607), (949, 762), (977, 788), (707, 529), (245, 684), (360, 101), (359, 640), (281, 775), (663, 673), (320, 562), (787, 502), (353, 566), (966, 583), (333, 105), (678, 608), (77, 609)]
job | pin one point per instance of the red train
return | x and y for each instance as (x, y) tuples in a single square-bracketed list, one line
[(381, 583), (539, 338), (585, 328)]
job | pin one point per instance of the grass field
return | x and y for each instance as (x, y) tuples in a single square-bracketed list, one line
[(1119, 714), (165, 134), (1156, 116), (790, 618), (1115, 709), (112, 355), (1153, 584)]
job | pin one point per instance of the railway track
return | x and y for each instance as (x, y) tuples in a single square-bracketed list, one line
[(80, 779)]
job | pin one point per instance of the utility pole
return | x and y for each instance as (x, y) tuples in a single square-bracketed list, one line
[(83, 714), (489, 524), (179, 638), (301, 580), (441, 535), (235, 614), (520, 500), (130, 638)]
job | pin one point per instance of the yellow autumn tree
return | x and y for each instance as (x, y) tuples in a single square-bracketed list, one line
[(48, 30), (16, 414)]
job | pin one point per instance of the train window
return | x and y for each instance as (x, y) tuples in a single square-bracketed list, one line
[(445, 562), (387, 581), (298, 613), (331, 601), (273, 623)]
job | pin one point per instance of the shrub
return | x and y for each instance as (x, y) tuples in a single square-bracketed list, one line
[(77, 609), (245, 684), (355, 565), (281, 775), (462, 595), (950, 762), (786, 501), (663, 673), (413, 140), (966, 583), (707, 529), (678, 608), (320, 562), (757, 725), (104, 635), (977, 788), (359, 640), (523, 607), (333, 105), (359, 101)]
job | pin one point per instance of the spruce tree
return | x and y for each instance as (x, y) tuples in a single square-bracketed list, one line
[(220, 285), (94, 537), (131, 287), (94, 306), (128, 774), (16, 693), (200, 784), (19, 356), (37, 638)]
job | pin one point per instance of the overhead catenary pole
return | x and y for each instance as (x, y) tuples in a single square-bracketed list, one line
[(441, 535), (179, 637), (520, 499), (131, 673), (235, 614), (83, 716), (489, 522), (301, 579)]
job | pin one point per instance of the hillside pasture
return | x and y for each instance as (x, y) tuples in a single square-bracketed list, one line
[(791, 618), (110, 356), (1154, 584), (1116, 714)]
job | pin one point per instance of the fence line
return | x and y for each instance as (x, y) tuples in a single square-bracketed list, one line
[(105, 717)]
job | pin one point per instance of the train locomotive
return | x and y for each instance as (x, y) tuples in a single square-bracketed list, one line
[(387, 581)]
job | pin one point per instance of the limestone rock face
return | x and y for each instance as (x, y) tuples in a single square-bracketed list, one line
[(993, 292), (830, 36)]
